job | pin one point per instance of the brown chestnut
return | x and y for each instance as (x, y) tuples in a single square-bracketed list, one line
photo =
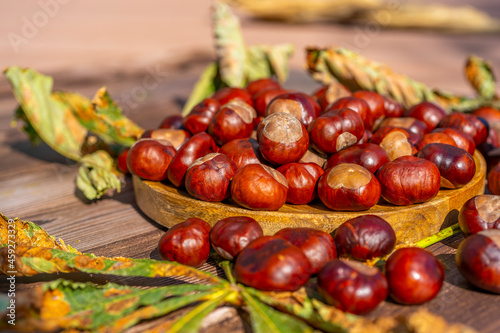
[(336, 130), (395, 141), (431, 114), (172, 122), (186, 243), (408, 180), (228, 94), (243, 152), (478, 260), (455, 165), (412, 125), (150, 158), (494, 180), (462, 139), (370, 156), (201, 115), (392, 108), (315, 157), (197, 146), (365, 237), (356, 104), (302, 179), (467, 123), (328, 94), (376, 103), (348, 187), (317, 245), (263, 98), (296, 104), (282, 138), (435, 138), (481, 212), (177, 137), (415, 276), (234, 120), (352, 286), (257, 86), (208, 177), (231, 235), (121, 161), (272, 263), (257, 186)]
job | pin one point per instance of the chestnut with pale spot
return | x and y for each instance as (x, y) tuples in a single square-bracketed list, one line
[(462, 140), (395, 141), (479, 213), (415, 126), (282, 138), (328, 94), (243, 152), (370, 156), (259, 187), (296, 104), (435, 138), (356, 104), (467, 123), (177, 137), (234, 120), (429, 113), (348, 187), (150, 158), (302, 179)]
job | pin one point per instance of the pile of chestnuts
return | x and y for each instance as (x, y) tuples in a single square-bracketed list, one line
[(288, 259), (263, 146)]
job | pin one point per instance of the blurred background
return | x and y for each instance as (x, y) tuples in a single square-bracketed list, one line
[(105, 41)]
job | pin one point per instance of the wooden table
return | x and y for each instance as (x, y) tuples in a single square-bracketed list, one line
[(37, 184)]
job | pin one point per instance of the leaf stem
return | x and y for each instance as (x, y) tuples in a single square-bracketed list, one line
[(228, 270), (441, 235)]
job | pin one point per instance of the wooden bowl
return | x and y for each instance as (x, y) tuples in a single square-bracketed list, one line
[(168, 206)]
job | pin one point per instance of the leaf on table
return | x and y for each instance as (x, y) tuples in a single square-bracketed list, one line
[(207, 84), (50, 116), (105, 118), (229, 46), (33, 136), (480, 76), (98, 176)]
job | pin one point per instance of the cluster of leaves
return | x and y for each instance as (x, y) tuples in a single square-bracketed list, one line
[(63, 304), (359, 73)]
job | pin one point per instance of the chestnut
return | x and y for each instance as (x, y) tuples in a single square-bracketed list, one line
[(455, 165), (481, 212), (415, 276), (366, 137), (348, 187), (302, 179), (296, 104), (121, 161), (197, 146), (392, 108), (365, 237), (412, 125), (375, 102), (467, 123), (492, 142), (257, 86), (356, 104), (494, 180), (370, 156), (313, 157), (263, 98), (234, 120), (257, 186), (435, 138), (462, 140), (150, 158), (231, 235), (186, 243), (431, 114), (282, 138), (243, 152), (208, 177), (201, 115), (336, 130), (177, 137), (328, 94), (228, 94), (271, 263), (172, 122), (478, 260), (352, 286), (395, 141), (317, 245), (408, 180)]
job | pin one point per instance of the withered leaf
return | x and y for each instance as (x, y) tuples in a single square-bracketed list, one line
[(480, 76)]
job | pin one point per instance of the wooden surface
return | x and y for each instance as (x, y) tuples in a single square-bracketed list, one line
[(168, 206), (37, 184)]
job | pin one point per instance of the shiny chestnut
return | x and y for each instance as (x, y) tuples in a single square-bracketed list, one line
[(467, 123), (302, 179), (395, 141), (228, 94), (231, 235), (177, 137), (121, 161), (370, 156), (201, 115), (296, 104), (257, 86), (150, 158), (243, 152), (375, 102), (348, 187), (392, 108), (437, 137), (272, 263), (415, 126), (172, 122), (234, 120), (356, 104), (328, 94), (263, 98), (494, 180), (430, 113), (481, 212), (462, 140)]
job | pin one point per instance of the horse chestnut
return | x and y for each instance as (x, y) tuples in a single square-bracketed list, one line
[(234, 120), (429, 113), (370, 156), (392, 108), (177, 137), (356, 104), (435, 138), (462, 140), (296, 104), (228, 94), (121, 161), (150, 158), (479, 213), (263, 98), (172, 122), (272, 263), (412, 125), (243, 152), (231, 235), (376, 104), (186, 243), (395, 141), (494, 180), (302, 179), (201, 115), (328, 94), (257, 86), (467, 123)]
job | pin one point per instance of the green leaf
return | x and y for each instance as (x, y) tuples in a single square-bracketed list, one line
[(267, 320), (206, 85), (229, 46), (33, 136), (266, 60), (279, 57), (97, 175), (48, 115), (105, 118), (480, 76)]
